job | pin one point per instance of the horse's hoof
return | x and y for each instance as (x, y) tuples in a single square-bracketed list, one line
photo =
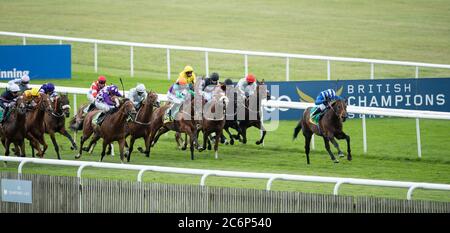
[(349, 158), (77, 156), (336, 161), (200, 149), (85, 149), (183, 148), (341, 154), (231, 142), (258, 142)]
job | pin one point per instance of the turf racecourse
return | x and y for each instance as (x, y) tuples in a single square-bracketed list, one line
[(397, 30)]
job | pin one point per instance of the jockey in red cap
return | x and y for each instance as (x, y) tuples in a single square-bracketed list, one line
[(246, 86)]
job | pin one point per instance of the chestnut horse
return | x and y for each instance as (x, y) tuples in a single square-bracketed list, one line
[(112, 129), (213, 121), (56, 121), (137, 128), (34, 124), (13, 129), (330, 126)]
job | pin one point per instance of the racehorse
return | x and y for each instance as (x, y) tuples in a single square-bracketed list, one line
[(211, 124), (55, 121), (246, 123), (137, 128), (112, 129), (13, 129), (184, 123), (76, 123), (34, 124), (329, 127)]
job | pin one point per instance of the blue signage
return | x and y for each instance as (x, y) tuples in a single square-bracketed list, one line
[(36, 61), (16, 191), (416, 94)]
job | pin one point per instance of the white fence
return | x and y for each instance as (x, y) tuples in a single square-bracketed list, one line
[(300, 105), (205, 173), (206, 51)]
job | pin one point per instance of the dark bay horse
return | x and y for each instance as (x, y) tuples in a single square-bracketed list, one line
[(13, 129), (56, 121), (138, 128), (330, 127), (112, 129), (34, 124), (214, 118), (260, 94)]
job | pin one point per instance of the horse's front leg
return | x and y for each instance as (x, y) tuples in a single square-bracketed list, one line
[(336, 145), (121, 149), (263, 130), (64, 132), (55, 144), (342, 135), (327, 146)]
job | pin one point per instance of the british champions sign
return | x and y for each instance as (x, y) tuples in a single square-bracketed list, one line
[(416, 94)]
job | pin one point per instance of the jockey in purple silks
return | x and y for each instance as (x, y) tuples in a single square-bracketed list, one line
[(104, 101)]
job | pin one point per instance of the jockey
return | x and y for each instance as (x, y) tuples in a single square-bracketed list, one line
[(246, 86), (22, 82), (176, 95), (137, 95), (96, 86), (323, 100), (105, 103), (189, 75), (29, 96), (48, 89), (208, 86), (8, 99)]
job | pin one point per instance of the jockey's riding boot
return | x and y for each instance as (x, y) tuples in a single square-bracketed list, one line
[(317, 111), (100, 118), (168, 117)]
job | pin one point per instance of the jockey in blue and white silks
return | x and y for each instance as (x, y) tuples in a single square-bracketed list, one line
[(324, 98)]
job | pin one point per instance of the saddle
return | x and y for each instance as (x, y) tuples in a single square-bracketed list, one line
[(315, 117), (99, 117)]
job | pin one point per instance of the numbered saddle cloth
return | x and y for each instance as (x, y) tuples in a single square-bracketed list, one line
[(314, 118)]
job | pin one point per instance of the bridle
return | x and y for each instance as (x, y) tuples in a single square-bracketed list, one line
[(340, 115), (59, 115)]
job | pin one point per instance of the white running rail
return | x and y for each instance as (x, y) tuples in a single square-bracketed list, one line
[(206, 51), (301, 105), (411, 186)]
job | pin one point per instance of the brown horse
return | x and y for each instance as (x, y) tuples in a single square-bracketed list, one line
[(34, 124), (76, 123), (55, 121), (112, 129), (13, 129), (260, 94), (184, 123), (213, 121), (137, 128), (330, 126)]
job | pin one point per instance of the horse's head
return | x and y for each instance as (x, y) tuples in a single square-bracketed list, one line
[(43, 103), (20, 106), (152, 99), (61, 105), (340, 108), (128, 108), (261, 87)]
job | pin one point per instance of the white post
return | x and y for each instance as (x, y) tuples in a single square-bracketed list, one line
[(75, 113), (287, 69), (371, 71), (24, 40), (246, 64), (168, 64), (328, 70), (131, 61), (364, 133), (419, 147), (206, 64), (313, 145), (74, 104), (60, 41), (95, 58)]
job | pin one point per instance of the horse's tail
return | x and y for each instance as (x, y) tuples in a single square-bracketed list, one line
[(297, 129)]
